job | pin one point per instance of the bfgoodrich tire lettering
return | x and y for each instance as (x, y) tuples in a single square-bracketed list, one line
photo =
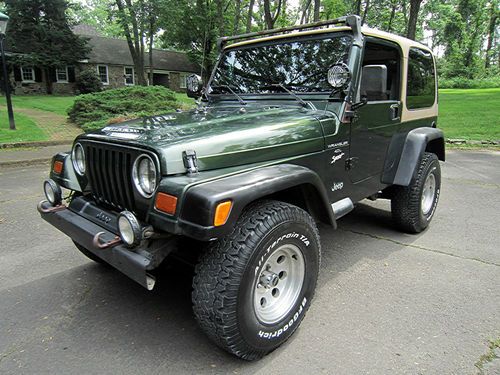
[(409, 211), (224, 283)]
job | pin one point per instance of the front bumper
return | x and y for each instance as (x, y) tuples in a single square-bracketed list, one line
[(136, 264)]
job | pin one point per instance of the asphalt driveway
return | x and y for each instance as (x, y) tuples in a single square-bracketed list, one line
[(387, 303)]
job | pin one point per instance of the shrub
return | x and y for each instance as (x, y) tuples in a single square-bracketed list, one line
[(87, 81), (465, 83), (93, 111)]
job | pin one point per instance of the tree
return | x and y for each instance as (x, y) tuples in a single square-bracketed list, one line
[(269, 17), (40, 30), (131, 18), (412, 20)]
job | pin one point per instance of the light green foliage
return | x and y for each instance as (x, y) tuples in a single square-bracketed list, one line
[(470, 114), (26, 129), (92, 111)]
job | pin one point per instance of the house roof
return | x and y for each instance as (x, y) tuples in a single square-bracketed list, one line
[(115, 51)]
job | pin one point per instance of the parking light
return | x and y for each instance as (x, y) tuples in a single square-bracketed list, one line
[(222, 213)]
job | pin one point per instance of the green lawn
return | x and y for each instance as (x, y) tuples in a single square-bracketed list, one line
[(470, 114), (26, 129), (56, 104)]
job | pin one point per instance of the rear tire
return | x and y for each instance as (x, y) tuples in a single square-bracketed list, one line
[(90, 255), (253, 287), (413, 206)]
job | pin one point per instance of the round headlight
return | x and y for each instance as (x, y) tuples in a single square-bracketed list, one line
[(144, 175), (78, 156), (52, 192), (129, 228)]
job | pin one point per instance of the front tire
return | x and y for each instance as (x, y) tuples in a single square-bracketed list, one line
[(90, 255), (413, 206), (253, 287)]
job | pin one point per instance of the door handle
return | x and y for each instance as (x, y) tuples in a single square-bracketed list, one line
[(394, 110)]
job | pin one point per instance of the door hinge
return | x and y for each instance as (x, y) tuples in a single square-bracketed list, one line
[(351, 163)]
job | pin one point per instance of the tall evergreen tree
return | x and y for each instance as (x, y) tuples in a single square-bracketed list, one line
[(40, 30)]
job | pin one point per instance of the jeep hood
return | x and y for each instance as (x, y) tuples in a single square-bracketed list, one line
[(222, 136)]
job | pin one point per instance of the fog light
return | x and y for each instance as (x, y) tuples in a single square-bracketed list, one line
[(52, 192), (129, 228)]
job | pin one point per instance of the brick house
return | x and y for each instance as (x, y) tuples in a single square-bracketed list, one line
[(112, 61)]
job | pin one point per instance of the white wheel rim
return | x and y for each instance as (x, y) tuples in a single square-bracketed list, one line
[(278, 283), (428, 193)]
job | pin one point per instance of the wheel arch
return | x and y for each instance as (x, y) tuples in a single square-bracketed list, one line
[(289, 183), (406, 150)]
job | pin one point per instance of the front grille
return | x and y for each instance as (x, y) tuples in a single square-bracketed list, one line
[(109, 173)]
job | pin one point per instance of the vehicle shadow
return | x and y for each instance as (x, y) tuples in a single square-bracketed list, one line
[(96, 312)]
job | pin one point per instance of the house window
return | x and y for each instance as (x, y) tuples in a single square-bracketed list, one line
[(182, 83), (62, 75), (102, 71), (28, 74), (129, 75)]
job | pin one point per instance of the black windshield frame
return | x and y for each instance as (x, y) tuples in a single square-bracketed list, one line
[(344, 56)]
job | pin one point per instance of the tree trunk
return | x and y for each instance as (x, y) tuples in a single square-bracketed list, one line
[(412, 21), (151, 36), (358, 7), (317, 5), (367, 6), (491, 34), (250, 16), (269, 18), (237, 16), (48, 80), (391, 18), (305, 14), (134, 43)]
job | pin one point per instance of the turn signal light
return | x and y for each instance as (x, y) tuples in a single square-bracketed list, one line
[(57, 167), (222, 213), (166, 203)]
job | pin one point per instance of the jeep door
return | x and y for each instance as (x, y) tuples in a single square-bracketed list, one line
[(377, 121)]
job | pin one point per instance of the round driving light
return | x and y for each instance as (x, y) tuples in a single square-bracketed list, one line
[(144, 175), (338, 75), (129, 228), (78, 157), (52, 192)]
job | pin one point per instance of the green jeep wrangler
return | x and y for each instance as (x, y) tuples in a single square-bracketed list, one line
[(294, 126)]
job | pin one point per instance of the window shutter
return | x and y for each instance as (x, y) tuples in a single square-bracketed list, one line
[(17, 73), (38, 74), (71, 74)]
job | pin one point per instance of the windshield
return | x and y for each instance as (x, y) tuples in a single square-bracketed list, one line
[(300, 65)]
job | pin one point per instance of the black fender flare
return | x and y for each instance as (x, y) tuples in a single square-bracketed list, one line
[(200, 201), (406, 150)]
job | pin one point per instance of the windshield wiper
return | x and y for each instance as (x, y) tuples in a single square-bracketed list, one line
[(227, 87), (283, 87)]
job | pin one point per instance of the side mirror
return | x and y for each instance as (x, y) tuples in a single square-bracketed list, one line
[(194, 86), (374, 82)]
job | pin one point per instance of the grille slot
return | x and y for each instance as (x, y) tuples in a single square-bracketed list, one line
[(109, 169)]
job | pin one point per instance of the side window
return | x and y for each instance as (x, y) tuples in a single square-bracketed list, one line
[(380, 79), (421, 86)]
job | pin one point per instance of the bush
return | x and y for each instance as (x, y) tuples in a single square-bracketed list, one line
[(465, 83), (87, 81), (93, 111)]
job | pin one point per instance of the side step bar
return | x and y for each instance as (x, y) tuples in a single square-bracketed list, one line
[(342, 207)]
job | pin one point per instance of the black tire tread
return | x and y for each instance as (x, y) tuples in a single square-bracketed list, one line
[(218, 273), (405, 201)]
